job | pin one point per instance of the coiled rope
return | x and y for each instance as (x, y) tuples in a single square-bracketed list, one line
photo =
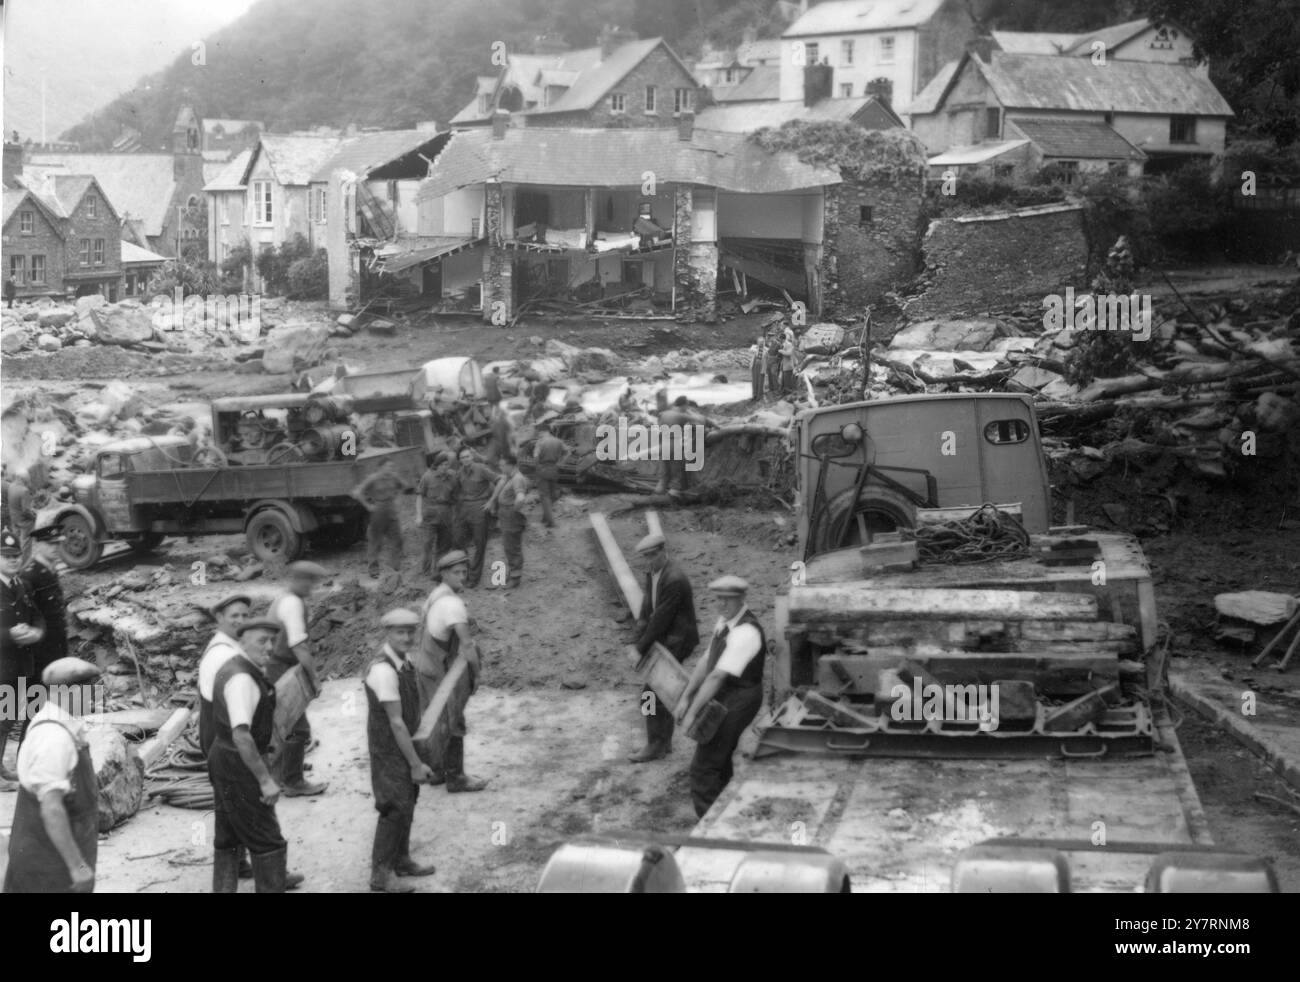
[(986, 535), (180, 776)]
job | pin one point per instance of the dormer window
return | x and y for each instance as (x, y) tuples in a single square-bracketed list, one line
[(730, 76)]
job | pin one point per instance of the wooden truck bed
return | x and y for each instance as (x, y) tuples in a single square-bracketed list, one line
[(330, 479), (898, 824)]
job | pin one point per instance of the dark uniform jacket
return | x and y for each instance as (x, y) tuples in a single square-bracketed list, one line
[(16, 607), (47, 595), (671, 621)]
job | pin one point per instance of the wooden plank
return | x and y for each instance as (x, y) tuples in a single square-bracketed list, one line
[(849, 603), (627, 582), (153, 748), (453, 692), (663, 673), (933, 516), (143, 721), (967, 635), (653, 524)]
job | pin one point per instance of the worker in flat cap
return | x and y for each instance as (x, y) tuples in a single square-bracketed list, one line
[(444, 634), (396, 770), (378, 495), (547, 454), (55, 837), (667, 617), (293, 648), (436, 497), (732, 673), (41, 578), (244, 792), (21, 631)]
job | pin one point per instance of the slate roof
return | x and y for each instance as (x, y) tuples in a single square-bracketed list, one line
[(1033, 42), (524, 72), (927, 100), (617, 158), (761, 84), (294, 158), (14, 197), (856, 16), (138, 185), (976, 154), (132, 253), (1076, 138), (750, 116), (365, 152), (231, 175), (594, 83), (1055, 83)]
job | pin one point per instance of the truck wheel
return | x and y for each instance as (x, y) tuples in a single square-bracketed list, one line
[(879, 508), (272, 538), (79, 548)]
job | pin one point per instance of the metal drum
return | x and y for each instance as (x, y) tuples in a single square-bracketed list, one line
[(327, 409), (327, 442), (611, 867)]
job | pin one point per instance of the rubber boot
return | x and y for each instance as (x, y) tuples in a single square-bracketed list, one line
[(292, 881), (270, 871), (387, 847), (405, 865), (294, 785), (454, 768), (225, 870)]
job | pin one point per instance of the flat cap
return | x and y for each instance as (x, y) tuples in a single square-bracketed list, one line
[(9, 544), (454, 558), (400, 617), (225, 602), (69, 671), (650, 543), (304, 567), (259, 624), (729, 586)]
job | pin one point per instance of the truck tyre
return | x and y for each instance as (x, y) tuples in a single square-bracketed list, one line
[(79, 548), (882, 508), (272, 538)]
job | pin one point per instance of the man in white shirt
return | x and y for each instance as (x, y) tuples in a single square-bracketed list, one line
[(244, 792), (55, 838), (731, 672), (293, 647), (445, 634), (230, 613), (396, 770)]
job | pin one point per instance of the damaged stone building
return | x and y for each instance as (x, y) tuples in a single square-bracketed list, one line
[(653, 220)]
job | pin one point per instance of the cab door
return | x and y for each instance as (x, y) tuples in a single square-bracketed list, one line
[(112, 491)]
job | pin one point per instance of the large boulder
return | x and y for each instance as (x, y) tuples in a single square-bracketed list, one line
[(55, 316), (120, 773), (92, 302), (582, 359), (294, 347), (951, 335), (13, 340), (122, 325)]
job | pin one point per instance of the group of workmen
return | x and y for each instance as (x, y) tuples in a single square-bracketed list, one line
[(772, 362)]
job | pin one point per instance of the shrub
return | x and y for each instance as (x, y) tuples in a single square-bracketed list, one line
[(233, 268), (273, 264), (309, 278), (192, 277)]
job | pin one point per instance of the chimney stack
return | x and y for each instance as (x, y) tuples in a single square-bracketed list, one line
[(611, 38), (982, 47), (13, 161), (686, 125), (500, 120), (816, 83)]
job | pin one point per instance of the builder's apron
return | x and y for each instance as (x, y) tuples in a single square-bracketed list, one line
[(433, 660), (35, 866)]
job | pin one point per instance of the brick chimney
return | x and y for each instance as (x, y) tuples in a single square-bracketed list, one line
[(500, 121), (816, 83), (982, 47), (13, 165), (686, 126)]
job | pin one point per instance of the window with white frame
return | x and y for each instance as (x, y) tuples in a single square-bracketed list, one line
[(316, 204), (730, 76), (99, 252), (846, 53), (92, 206), (846, 90), (18, 268), (262, 202), (811, 52), (223, 210), (887, 50), (38, 269), (27, 222), (651, 99), (683, 100), (83, 254), (618, 102)]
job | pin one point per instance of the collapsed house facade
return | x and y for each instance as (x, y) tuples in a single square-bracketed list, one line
[(655, 220)]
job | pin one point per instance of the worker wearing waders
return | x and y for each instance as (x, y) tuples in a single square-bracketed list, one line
[(21, 630), (668, 617), (444, 634), (244, 792), (378, 495), (548, 453), (476, 483), (293, 647), (46, 592), (54, 842), (732, 673), (396, 771), (435, 509), (230, 613), (508, 505)]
